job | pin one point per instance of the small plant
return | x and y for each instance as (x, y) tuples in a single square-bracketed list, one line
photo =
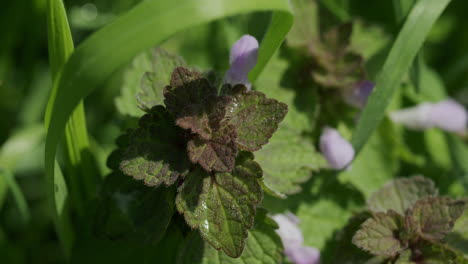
[(409, 223)]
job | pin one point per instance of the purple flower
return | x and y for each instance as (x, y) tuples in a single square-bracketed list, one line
[(337, 151), (242, 59), (447, 115), (357, 96), (293, 241)]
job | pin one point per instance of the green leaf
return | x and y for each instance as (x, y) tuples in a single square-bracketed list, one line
[(409, 41), (379, 234), (373, 167), (405, 258), (254, 116), (131, 211), (434, 217), (154, 82), (95, 59), (401, 194), (290, 156), (287, 161), (441, 254), (217, 153), (263, 246), (458, 238), (346, 252), (155, 150), (17, 194), (222, 205), (144, 81)]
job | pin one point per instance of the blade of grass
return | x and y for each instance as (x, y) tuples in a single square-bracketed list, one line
[(17, 194), (146, 25), (60, 45), (408, 43)]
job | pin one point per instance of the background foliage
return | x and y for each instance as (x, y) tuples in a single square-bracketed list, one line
[(322, 199)]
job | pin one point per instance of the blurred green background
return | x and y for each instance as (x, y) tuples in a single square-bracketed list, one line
[(26, 231)]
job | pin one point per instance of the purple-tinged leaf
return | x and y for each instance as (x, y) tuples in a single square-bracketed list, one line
[(222, 205), (379, 235)]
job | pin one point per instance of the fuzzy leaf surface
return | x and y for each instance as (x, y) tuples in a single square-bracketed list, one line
[(222, 205), (379, 234), (400, 194), (263, 246), (155, 152), (434, 217), (254, 116)]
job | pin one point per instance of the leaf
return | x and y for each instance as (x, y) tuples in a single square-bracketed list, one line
[(263, 246), (336, 66), (144, 81), (254, 116), (154, 82), (288, 160), (290, 156), (441, 254), (193, 101), (95, 60), (373, 167), (379, 234), (346, 252), (222, 205), (154, 151), (458, 238), (408, 43), (405, 258), (434, 217), (400, 194), (217, 153), (132, 211)]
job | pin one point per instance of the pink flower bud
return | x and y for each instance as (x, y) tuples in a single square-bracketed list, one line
[(357, 96), (447, 115), (337, 151), (292, 239), (243, 58)]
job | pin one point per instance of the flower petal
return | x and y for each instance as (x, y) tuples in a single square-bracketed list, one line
[(449, 115), (337, 151), (304, 255), (357, 96), (243, 58)]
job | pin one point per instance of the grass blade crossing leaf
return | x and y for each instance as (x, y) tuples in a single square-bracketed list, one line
[(409, 41)]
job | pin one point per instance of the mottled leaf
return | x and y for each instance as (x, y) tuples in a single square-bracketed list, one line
[(155, 151), (400, 194), (132, 211), (254, 116), (379, 235), (336, 66), (222, 205), (434, 217), (263, 246), (155, 80), (191, 99), (217, 153)]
